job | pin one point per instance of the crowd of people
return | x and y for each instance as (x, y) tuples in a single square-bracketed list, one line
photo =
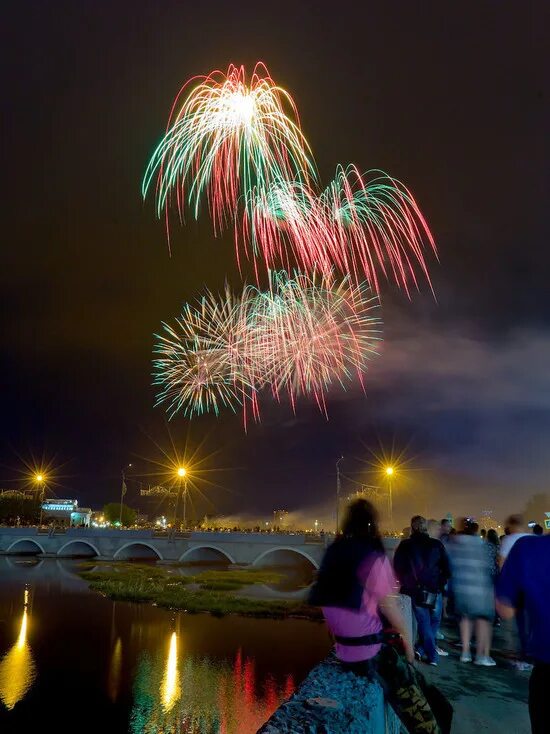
[(473, 577)]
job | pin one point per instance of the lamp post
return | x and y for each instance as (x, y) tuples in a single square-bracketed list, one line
[(39, 479), (338, 493), (390, 471), (123, 490), (182, 485)]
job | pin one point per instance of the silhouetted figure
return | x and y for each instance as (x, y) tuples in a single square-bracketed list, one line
[(422, 568), (514, 530), (473, 593), (525, 583)]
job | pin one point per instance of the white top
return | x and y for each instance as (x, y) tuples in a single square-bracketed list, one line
[(508, 542)]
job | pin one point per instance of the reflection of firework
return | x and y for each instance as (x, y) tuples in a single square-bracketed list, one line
[(298, 338), (211, 696), (228, 136)]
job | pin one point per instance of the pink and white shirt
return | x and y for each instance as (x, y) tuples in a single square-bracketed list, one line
[(378, 581)]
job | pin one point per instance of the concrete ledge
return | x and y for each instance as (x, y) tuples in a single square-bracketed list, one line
[(330, 701)]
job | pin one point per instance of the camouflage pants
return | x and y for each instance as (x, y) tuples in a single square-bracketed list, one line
[(404, 688)]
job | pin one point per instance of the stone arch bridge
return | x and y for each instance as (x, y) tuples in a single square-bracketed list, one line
[(257, 549)]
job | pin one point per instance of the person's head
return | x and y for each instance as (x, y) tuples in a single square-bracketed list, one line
[(445, 526), (514, 524), (483, 533), (465, 525), (361, 521), (419, 524), (537, 529), (434, 528), (492, 537)]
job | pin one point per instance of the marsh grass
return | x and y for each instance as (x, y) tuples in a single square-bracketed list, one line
[(209, 591)]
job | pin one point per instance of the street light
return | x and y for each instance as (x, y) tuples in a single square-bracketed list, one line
[(182, 476), (390, 471), (39, 479)]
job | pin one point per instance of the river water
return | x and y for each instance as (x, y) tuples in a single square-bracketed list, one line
[(74, 661)]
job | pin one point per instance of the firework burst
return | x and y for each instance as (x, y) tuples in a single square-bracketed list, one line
[(367, 226), (300, 337), (228, 136), (200, 365)]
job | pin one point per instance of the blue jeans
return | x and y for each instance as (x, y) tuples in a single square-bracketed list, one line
[(428, 621)]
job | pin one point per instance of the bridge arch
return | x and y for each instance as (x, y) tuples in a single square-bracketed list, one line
[(82, 548), (25, 546), (206, 553), (138, 549), (282, 553)]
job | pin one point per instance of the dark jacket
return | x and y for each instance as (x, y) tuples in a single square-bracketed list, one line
[(421, 562), (338, 583)]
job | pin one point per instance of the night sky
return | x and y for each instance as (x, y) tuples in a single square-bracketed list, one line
[(451, 98)]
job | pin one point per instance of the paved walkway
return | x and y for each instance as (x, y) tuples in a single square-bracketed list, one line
[(484, 699)]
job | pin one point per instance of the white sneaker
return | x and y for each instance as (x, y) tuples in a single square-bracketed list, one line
[(485, 660), (442, 653), (522, 666), (465, 657)]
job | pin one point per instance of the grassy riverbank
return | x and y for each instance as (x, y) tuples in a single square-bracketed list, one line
[(216, 592)]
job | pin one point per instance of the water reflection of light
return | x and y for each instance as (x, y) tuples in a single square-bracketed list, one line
[(170, 690), (211, 695), (22, 639), (17, 668), (115, 670)]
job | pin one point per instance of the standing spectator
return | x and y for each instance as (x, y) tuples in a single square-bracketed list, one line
[(514, 530), (434, 529), (445, 532), (525, 582), (493, 545), (422, 567), (472, 587), (483, 534)]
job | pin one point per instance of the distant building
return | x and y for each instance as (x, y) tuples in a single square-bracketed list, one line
[(66, 512), (281, 519)]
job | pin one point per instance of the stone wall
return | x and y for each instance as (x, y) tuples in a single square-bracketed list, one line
[(331, 701)]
